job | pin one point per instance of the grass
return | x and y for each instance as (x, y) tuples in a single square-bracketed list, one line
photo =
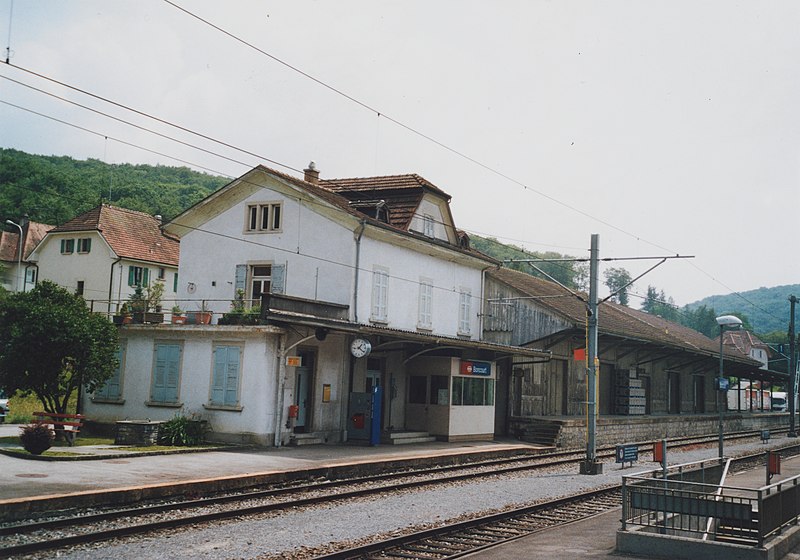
[(22, 408), (79, 441)]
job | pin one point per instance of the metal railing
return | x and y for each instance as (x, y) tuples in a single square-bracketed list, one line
[(689, 503), (192, 311)]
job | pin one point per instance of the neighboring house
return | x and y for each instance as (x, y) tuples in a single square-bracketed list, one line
[(648, 366), (105, 253), (369, 293), (749, 344), (20, 274)]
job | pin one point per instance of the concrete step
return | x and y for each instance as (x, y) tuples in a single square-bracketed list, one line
[(404, 438), (305, 439)]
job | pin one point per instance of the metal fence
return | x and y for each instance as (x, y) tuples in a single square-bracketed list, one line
[(178, 311), (690, 503)]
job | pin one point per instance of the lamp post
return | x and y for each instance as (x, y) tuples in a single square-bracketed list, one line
[(729, 322), (19, 254)]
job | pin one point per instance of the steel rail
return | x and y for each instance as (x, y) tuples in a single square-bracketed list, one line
[(108, 534)]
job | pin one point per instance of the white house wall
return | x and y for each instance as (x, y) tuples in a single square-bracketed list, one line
[(254, 423), (406, 268), (318, 253)]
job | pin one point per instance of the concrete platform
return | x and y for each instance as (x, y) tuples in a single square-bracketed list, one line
[(595, 538), (113, 477)]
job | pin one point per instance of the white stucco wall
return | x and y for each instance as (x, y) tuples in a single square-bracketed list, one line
[(318, 252), (407, 267), (255, 422)]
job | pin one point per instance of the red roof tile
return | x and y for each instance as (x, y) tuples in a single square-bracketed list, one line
[(131, 234), (9, 240)]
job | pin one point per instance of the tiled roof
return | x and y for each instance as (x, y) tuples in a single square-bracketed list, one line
[(743, 341), (9, 240), (401, 193), (131, 234), (613, 318)]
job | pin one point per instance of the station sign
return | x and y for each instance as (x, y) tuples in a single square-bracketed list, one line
[(721, 383), (476, 368), (294, 361)]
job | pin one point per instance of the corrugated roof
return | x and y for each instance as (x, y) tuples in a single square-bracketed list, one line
[(613, 318), (131, 234)]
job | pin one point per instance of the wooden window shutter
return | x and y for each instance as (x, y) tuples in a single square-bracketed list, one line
[(240, 279), (131, 275), (278, 280)]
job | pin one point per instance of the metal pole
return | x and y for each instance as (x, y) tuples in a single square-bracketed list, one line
[(590, 465), (792, 369), (19, 255), (720, 403)]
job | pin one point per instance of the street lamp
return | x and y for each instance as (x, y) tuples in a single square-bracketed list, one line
[(19, 254), (730, 322)]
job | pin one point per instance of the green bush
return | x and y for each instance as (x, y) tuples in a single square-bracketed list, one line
[(36, 438), (181, 430)]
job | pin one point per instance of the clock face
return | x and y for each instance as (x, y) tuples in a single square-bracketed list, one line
[(360, 347)]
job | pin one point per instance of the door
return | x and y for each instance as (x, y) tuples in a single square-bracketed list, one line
[(699, 394), (303, 384), (674, 392)]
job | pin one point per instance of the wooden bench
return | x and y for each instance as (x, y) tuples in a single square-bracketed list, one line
[(70, 424)]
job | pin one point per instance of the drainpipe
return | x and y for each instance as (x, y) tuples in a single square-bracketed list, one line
[(111, 283), (362, 226), (281, 369)]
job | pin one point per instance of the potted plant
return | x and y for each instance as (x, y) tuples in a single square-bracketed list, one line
[(123, 317), (203, 317), (36, 438), (178, 317)]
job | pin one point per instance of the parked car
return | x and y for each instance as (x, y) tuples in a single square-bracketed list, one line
[(3, 407)]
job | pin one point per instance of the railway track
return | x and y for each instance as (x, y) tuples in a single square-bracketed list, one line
[(460, 539), (85, 527)]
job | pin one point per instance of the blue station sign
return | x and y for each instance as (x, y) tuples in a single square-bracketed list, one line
[(476, 368)]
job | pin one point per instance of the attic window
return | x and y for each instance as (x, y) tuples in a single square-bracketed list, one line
[(377, 209), (266, 217), (427, 226)]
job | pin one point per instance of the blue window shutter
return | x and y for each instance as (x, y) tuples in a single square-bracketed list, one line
[(167, 373), (131, 275), (278, 280), (173, 373), (218, 382), (232, 377), (241, 278)]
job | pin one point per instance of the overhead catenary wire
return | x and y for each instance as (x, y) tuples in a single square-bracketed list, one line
[(231, 146)]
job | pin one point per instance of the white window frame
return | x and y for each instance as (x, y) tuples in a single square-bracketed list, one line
[(425, 306), (380, 295), (264, 217), (84, 245), (252, 278), (428, 226), (464, 312)]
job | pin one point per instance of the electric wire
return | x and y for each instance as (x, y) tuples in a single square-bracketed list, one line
[(228, 145)]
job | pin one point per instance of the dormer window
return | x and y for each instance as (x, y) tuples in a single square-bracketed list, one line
[(267, 217), (427, 226)]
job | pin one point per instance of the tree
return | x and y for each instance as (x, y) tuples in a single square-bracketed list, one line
[(658, 303), (617, 280), (51, 344)]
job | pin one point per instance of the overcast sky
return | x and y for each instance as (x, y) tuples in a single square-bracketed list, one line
[(665, 127)]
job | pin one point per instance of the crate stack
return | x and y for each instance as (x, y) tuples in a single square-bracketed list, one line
[(630, 397)]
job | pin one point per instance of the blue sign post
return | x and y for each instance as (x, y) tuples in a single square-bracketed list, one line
[(627, 453), (375, 418)]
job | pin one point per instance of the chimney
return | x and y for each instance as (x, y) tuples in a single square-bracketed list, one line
[(311, 174), (158, 218)]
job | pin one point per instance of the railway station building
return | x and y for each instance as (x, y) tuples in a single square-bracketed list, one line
[(369, 308), (655, 380)]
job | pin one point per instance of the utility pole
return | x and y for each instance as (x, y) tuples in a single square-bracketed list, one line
[(590, 464), (792, 369)]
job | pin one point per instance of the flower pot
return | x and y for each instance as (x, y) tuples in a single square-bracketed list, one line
[(179, 319)]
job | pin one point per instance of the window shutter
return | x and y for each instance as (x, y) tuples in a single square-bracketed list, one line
[(159, 374), (62, 245), (240, 279), (172, 374), (175, 283), (232, 376), (218, 382), (131, 274), (278, 280), (88, 244), (167, 373), (145, 276)]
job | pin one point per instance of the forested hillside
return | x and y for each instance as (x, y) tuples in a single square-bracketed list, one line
[(53, 189), (766, 308)]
